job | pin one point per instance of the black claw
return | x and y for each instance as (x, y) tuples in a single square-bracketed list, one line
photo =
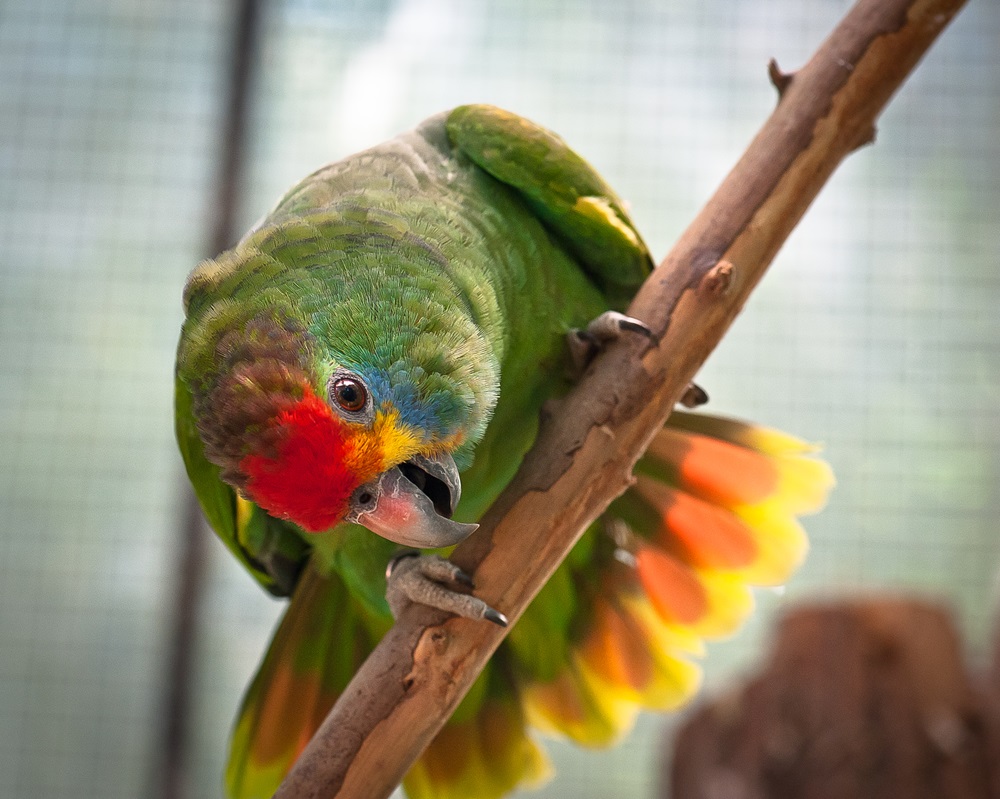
[(693, 396), (635, 326), (390, 567), (463, 578), (495, 616)]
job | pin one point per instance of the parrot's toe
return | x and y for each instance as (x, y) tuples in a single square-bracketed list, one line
[(496, 617), (412, 577), (693, 396), (609, 326)]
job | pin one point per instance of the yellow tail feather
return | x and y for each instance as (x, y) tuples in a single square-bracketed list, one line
[(712, 513)]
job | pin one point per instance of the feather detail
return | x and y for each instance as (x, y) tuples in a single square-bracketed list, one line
[(722, 496), (486, 754), (628, 658), (712, 513)]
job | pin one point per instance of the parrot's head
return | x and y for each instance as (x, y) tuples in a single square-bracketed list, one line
[(318, 440)]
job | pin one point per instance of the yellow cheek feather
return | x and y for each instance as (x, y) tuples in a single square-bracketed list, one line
[(383, 445), (388, 442)]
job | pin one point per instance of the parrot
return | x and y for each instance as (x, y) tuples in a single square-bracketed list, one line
[(359, 377)]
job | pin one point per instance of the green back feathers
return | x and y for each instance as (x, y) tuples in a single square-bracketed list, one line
[(560, 187)]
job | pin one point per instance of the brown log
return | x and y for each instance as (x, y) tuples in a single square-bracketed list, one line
[(585, 452), (987, 688), (865, 699)]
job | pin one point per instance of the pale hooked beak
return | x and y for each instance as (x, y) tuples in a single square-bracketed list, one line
[(411, 503)]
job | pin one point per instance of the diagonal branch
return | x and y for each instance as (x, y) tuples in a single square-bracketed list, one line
[(589, 441)]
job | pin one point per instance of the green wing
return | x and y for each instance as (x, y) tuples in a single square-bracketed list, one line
[(270, 549), (562, 189)]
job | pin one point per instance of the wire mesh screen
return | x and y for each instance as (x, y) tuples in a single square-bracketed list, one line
[(875, 332)]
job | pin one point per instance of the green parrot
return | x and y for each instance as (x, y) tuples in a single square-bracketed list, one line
[(372, 358)]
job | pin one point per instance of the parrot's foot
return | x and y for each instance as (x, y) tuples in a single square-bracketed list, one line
[(609, 326), (412, 577)]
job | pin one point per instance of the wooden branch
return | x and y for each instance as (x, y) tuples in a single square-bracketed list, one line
[(589, 441)]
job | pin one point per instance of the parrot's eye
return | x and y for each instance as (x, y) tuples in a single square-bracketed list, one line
[(349, 393)]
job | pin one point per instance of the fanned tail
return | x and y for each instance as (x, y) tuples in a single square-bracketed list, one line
[(712, 513)]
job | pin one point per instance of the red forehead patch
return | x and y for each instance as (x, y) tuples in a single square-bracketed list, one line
[(308, 482)]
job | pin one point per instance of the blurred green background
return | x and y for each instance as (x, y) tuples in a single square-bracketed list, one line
[(876, 331)]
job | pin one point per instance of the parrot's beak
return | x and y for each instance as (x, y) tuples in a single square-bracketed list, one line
[(411, 503)]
